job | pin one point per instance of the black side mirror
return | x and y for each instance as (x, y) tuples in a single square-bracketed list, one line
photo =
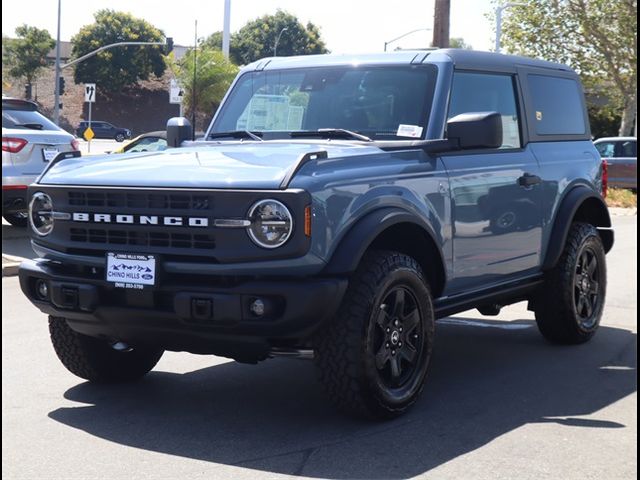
[(178, 130), (476, 130)]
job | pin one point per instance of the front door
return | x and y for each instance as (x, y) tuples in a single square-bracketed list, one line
[(496, 194)]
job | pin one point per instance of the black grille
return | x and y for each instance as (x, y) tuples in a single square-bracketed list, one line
[(157, 201), (142, 238)]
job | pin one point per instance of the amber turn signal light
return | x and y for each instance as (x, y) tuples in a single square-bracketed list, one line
[(307, 220)]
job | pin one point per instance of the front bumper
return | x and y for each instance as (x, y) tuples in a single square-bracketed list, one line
[(212, 317)]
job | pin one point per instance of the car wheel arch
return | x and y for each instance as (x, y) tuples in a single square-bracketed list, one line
[(391, 229), (578, 204)]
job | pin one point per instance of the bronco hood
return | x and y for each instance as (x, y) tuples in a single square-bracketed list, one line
[(227, 165)]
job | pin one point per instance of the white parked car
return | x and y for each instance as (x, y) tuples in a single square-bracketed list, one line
[(29, 142)]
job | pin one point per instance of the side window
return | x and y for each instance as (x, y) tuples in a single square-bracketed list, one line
[(605, 149), (628, 149), (557, 105), (484, 92)]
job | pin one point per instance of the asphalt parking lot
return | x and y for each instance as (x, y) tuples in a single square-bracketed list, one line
[(499, 403)]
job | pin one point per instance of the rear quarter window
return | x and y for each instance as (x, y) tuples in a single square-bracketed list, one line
[(557, 104), (628, 149)]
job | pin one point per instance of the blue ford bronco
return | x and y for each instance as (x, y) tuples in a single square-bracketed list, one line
[(336, 208)]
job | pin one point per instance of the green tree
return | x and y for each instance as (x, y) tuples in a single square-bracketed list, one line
[(117, 67), (26, 55), (458, 42), (258, 37), (598, 38), (214, 74)]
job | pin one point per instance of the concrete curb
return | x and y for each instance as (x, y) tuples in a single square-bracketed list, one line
[(10, 265)]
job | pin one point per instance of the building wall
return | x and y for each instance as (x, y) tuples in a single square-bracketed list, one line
[(141, 108)]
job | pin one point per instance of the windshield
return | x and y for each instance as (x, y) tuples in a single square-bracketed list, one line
[(372, 101), (18, 118)]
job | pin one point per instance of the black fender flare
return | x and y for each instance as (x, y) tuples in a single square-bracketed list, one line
[(571, 203), (351, 248)]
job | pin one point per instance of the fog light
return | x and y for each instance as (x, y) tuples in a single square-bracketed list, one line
[(257, 307), (42, 289)]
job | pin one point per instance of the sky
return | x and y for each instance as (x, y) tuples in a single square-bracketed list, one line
[(347, 26)]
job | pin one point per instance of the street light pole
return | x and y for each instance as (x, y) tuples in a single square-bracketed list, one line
[(404, 35), (499, 11), (59, 68), (226, 26), (56, 106), (275, 47), (195, 76)]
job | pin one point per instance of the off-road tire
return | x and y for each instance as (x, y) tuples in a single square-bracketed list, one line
[(555, 306), (95, 360), (16, 219), (346, 347)]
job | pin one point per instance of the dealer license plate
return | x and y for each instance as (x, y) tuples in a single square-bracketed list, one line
[(49, 154), (131, 270)]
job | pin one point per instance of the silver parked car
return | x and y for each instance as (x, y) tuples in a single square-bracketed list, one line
[(621, 155), (29, 142)]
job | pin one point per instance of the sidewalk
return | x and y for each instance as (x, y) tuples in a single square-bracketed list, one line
[(622, 211)]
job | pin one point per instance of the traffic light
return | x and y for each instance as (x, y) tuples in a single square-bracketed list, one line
[(61, 85), (27, 91), (168, 46)]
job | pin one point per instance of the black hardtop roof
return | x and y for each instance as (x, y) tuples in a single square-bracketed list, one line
[(475, 59), (461, 58)]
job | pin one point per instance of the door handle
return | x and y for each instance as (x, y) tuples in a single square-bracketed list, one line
[(529, 180)]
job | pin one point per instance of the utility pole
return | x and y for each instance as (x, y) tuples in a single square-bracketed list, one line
[(56, 106), (226, 29), (441, 16)]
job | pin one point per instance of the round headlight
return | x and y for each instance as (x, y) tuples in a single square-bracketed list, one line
[(271, 223), (41, 214)]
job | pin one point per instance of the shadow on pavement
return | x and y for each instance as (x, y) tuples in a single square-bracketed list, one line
[(15, 241), (483, 383)]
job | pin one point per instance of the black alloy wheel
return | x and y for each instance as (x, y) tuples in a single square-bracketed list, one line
[(397, 338), (587, 288)]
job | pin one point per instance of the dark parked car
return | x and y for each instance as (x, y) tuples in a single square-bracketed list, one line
[(337, 207), (621, 155), (104, 130)]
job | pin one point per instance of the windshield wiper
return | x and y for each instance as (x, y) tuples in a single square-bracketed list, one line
[(33, 126), (236, 134), (331, 133)]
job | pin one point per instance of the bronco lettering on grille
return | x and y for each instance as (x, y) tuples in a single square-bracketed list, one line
[(175, 221)]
